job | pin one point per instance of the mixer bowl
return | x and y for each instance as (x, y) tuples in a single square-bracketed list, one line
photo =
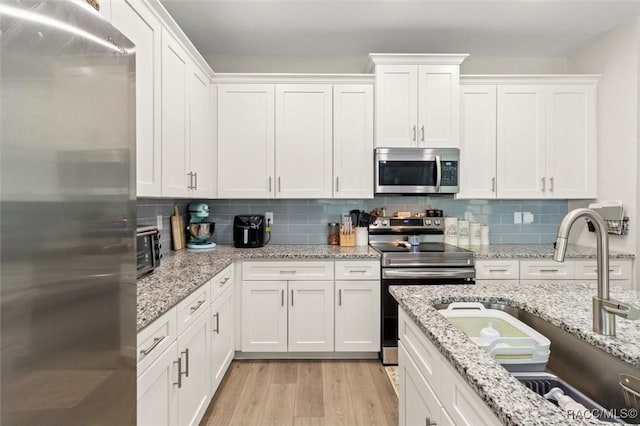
[(202, 231)]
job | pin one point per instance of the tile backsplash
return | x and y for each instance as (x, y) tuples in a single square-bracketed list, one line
[(305, 221)]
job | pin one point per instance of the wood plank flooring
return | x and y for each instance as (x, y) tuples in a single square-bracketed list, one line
[(304, 393)]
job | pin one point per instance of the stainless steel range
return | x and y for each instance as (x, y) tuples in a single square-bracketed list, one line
[(414, 253)]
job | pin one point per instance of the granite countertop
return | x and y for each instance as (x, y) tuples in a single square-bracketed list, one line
[(567, 305), (539, 251), (180, 273)]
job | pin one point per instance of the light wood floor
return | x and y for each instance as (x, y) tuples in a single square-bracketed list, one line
[(326, 392)]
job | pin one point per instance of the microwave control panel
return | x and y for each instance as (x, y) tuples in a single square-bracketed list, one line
[(449, 173)]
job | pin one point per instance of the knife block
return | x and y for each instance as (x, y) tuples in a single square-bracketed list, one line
[(347, 240)]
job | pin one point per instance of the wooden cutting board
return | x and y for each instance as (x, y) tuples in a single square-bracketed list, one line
[(177, 229)]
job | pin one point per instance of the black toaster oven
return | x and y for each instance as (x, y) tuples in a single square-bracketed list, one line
[(148, 249)]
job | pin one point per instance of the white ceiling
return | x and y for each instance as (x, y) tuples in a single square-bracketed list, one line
[(359, 27)]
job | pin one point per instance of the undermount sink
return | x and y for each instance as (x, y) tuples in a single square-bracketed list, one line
[(590, 371)]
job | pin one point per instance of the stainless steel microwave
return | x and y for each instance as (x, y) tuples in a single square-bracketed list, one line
[(416, 171)]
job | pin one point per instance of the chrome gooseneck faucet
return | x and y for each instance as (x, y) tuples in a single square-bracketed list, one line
[(604, 308)]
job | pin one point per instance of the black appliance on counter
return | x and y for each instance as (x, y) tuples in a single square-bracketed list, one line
[(148, 248), (248, 231), (413, 252)]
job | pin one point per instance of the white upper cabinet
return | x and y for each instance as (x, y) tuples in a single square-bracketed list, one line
[(528, 137), (175, 72), (246, 140), (478, 142), (417, 100), (200, 135), (396, 105), (571, 166), (353, 141), (187, 140), (521, 141), (140, 26), (303, 141)]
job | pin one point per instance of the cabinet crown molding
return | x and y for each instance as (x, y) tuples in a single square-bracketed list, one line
[(529, 78), (417, 58), (283, 78)]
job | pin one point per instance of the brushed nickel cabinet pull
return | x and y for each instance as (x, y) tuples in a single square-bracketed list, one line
[(291, 297), (179, 362), (551, 184), (281, 297), (186, 364), (340, 297), (195, 179), (493, 184), (414, 132), (497, 270), (337, 183), (544, 185), (195, 308), (279, 186), (217, 316), (269, 183), (156, 342), (422, 137)]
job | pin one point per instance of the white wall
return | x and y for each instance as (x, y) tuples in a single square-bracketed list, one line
[(359, 64), (615, 55)]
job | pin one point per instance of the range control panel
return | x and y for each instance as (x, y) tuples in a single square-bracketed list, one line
[(434, 223)]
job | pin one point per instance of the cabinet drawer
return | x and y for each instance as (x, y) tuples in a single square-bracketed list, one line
[(220, 282), (192, 306), (424, 353), (294, 270), (497, 269), (154, 339), (618, 270), (358, 270), (543, 270)]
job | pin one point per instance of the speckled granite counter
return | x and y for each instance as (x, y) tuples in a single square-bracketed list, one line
[(180, 273), (539, 251), (566, 305)]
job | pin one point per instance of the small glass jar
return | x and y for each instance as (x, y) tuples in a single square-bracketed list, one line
[(333, 239)]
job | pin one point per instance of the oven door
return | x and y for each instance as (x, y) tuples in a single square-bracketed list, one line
[(416, 171), (410, 276)]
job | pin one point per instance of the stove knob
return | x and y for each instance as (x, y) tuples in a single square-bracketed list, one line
[(436, 222), (427, 222), (384, 222)]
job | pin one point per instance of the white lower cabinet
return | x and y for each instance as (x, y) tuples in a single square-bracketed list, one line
[(357, 316), (194, 385), (264, 316), (222, 332), (431, 390), (157, 392), (281, 316), (310, 316)]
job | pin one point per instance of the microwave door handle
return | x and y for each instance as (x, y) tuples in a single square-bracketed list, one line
[(438, 173)]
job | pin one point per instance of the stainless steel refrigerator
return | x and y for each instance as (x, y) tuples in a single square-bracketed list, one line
[(67, 217)]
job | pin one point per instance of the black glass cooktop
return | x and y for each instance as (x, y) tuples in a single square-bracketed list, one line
[(394, 247)]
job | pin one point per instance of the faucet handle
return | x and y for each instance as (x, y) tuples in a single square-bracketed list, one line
[(621, 309)]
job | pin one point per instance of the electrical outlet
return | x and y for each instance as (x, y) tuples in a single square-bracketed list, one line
[(159, 222), (517, 217), (268, 216), (527, 217)]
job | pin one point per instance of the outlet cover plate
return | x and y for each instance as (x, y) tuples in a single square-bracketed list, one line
[(268, 216), (517, 217), (159, 222)]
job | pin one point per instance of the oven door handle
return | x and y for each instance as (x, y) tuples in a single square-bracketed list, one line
[(429, 273)]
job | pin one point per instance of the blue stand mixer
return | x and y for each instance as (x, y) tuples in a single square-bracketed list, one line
[(200, 231)]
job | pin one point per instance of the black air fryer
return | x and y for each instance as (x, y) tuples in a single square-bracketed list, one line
[(248, 231)]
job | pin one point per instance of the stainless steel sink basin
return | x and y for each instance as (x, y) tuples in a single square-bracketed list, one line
[(542, 383), (588, 369)]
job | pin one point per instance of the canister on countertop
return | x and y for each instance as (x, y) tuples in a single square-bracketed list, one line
[(451, 230), (362, 236), (484, 235), (475, 234), (463, 233), (333, 238)]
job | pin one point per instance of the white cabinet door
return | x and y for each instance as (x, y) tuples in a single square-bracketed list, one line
[(357, 313), (520, 146), (264, 316), (157, 391), (396, 105), (304, 141), (175, 161), (419, 405), (478, 142), (246, 144), (311, 316), (194, 350), (438, 106), (222, 350), (353, 141), (571, 147), (200, 136), (139, 25)]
